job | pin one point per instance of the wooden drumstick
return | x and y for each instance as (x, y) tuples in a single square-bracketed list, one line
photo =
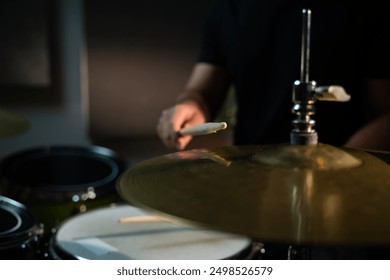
[(203, 129)]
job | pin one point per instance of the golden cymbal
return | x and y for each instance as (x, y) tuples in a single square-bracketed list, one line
[(288, 193), (12, 124)]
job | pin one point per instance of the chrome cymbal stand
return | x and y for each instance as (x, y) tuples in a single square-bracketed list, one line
[(303, 92), (306, 92)]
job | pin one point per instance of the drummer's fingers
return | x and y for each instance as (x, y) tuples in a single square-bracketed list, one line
[(165, 128), (173, 119), (182, 142), (183, 115)]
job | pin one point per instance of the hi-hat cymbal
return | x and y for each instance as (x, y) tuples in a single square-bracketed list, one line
[(12, 124), (288, 193)]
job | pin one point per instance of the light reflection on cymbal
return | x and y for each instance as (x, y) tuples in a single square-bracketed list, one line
[(199, 154)]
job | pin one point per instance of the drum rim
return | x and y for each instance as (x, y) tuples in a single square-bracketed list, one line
[(21, 237)]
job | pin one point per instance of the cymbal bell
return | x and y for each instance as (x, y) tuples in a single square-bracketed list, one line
[(286, 193), (12, 124)]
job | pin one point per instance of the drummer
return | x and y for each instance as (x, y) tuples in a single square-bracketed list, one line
[(254, 46)]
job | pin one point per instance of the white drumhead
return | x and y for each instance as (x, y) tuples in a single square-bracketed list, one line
[(98, 234)]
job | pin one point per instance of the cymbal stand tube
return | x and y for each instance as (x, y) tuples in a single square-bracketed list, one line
[(303, 93)]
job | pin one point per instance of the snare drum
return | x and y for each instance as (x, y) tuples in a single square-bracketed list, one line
[(19, 232), (58, 182), (99, 234)]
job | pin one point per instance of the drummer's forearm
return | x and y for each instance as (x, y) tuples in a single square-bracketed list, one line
[(197, 97), (376, 132), (374, 136), (207, 86), (377, 97)]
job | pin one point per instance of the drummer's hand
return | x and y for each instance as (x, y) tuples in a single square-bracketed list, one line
[(173, 119)]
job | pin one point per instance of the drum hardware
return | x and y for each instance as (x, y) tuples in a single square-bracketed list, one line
[(299, 193), (306, 92), (80, 205), (20, 235), (298, 253)]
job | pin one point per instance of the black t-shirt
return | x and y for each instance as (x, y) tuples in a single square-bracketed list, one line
[(259, 43)]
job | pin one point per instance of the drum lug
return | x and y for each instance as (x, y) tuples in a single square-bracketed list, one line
[(256, 251)]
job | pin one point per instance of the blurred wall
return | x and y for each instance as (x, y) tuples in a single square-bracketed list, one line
[(118, 64), (140, 54), (60, 116)]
